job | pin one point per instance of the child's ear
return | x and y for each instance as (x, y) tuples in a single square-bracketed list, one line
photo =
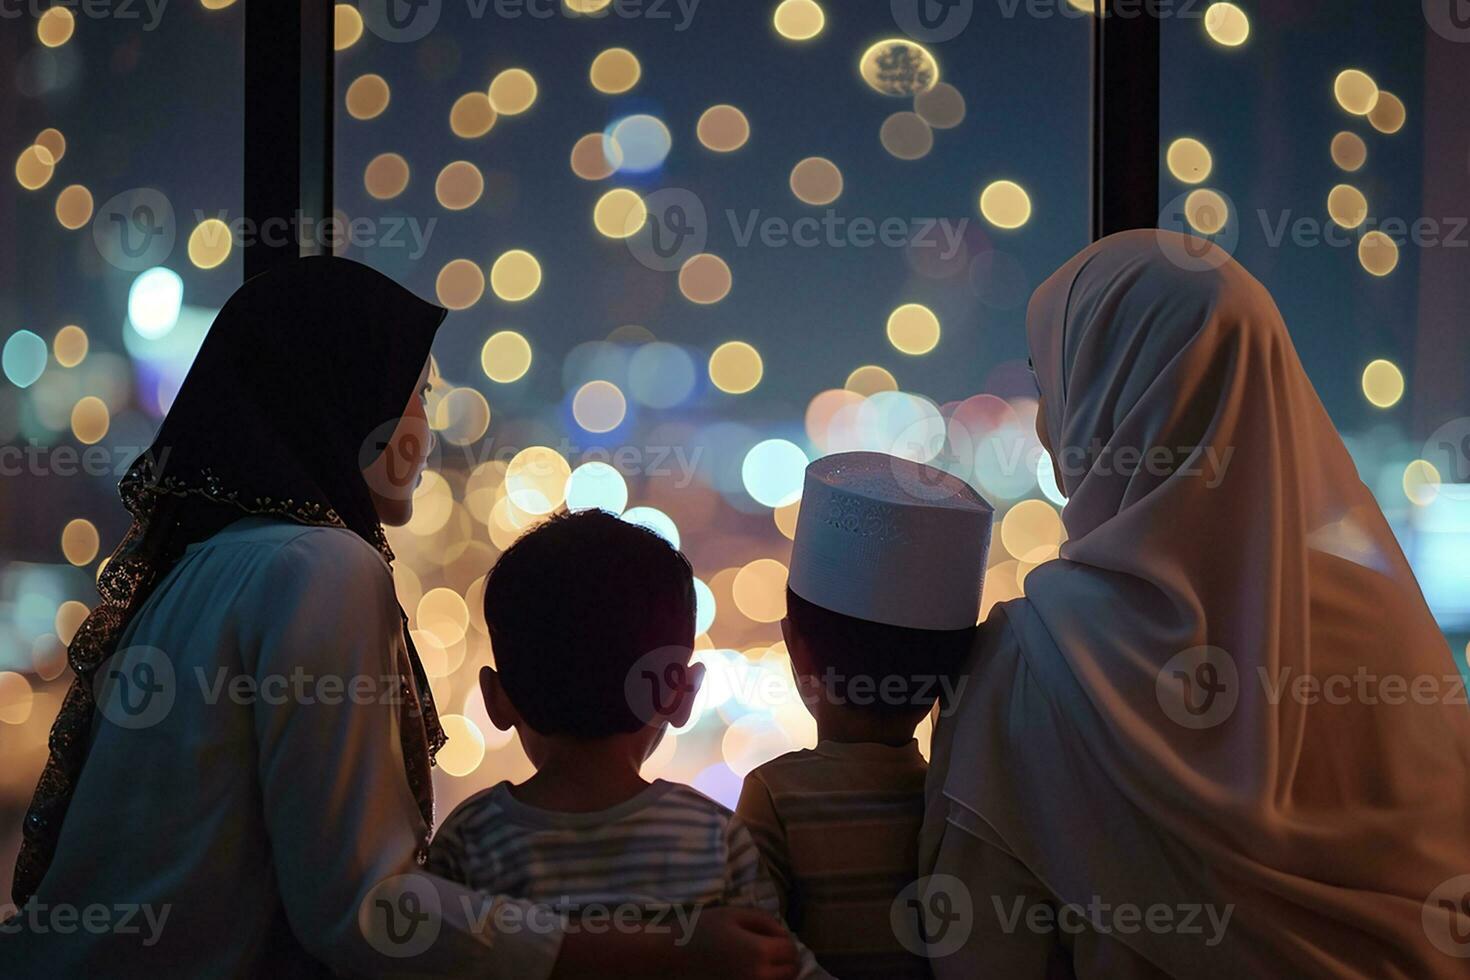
[(503, 714), (693, 677)]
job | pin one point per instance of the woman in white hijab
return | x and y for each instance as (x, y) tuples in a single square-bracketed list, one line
[(1221, 735)]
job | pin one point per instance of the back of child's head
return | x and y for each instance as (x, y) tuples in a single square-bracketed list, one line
[(572, 606), (873, 667)]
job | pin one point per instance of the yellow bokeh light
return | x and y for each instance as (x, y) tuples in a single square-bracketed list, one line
[(870, 379), (1031, 531), (913, 329), (462, 416), (54, 27), (386, 176), (1347, 206), (1206, 211), (596, 156), (1388, 113), (506, 357), (70, 345), (1005, 204), (599, 406), (798, 20), (515, 276), (90, 420), (1189, 160), (471, 116), (1383, 383), (210, 243), (816, 181), (346, 26), (54, 142), (1355, 91), (433, 503), (34, 167), (759, 590), (1227, 24), (216, 4), (586, 6), (785, 517), (460, 284), (906, 136), (619, 213), (513, 91), (723, 128), (74, 207), (459, 185), (443, 612), (1421, 482), (80, 541), (705, 279), (615, 71), (1378, 253), (942, 106), (368, 96), (465, 750), (735, 367), (69, 616), (1349, 151), (16, 698), (536, 480), (899, 67)]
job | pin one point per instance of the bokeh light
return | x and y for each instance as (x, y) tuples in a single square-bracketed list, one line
[(460, 284), (55, 26), (471, 116), (1355, 91), (459, 185), (536, 480), (596, 484), (723, 128), (899, 67), (942, 107), (656, 521), (1005, 204), (24, 358), (70, 345), (90, 420), (1031, 531), (506, 356), (619, 213), (34, 167), (386, 176), (80, 541), (704, 279), (1227, 24), (1206, 211), (368, 97), (73, 207), (1347, 206), (1189, 160), (599, 406), (615, 71), (154, 301), (515, 276), (759, 590), (798, 20), (913, 329), (1378, 253), (512, 92), (816, 181), (1349, 151), (1388, 113), (1383, 383), (773, 472), (906, 136), (735, 367), (346, 26), (643, 142), (869, 379), (1421, 482), (210, 243)]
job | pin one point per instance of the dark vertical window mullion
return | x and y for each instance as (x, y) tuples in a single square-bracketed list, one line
[(1125, 116)]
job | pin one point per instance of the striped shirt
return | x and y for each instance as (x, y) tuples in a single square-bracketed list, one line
[(664, 853), (838, 830)]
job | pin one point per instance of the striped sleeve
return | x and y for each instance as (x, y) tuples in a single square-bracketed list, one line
[(750, 887), (758, 812)]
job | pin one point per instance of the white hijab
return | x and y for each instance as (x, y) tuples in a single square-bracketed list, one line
[(1326, 825)]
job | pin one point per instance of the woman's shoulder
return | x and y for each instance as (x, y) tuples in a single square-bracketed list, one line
[(282, 556)]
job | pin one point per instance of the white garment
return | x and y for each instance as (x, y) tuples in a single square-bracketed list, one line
[(1098, 760), (254, 815)]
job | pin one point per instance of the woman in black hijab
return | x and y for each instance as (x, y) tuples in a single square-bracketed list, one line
[(239, 777)]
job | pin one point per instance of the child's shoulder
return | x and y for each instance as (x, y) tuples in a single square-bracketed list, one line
[(486, 804), (684, 796), (796, 759)]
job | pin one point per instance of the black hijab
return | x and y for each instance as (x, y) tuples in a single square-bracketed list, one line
[(297, 385)]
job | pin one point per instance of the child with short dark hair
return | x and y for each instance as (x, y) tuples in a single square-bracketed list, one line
[(582, 611), (883, 597)]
